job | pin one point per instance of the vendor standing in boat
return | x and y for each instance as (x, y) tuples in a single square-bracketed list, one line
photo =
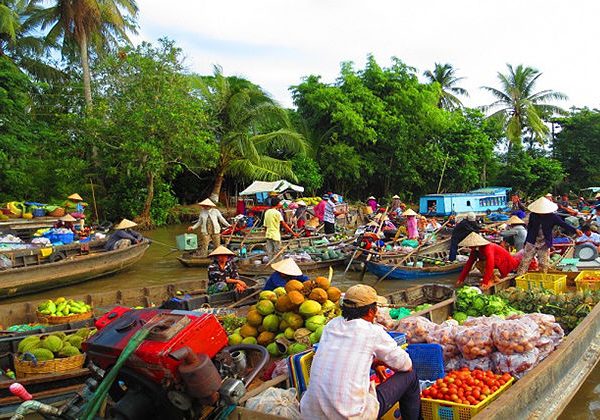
[(285, 270), (223, 273), (273, 222), (517, 233), (539, 233), (340, 386), (411, 224), (372, 202), (395, 209), (301, 215), (517, 207), (319, 209), (487, 257), (461, 231), (209, 221), (123, 236), (75, 205)]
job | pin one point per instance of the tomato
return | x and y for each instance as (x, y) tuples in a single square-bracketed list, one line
[(485, 390), (494, 388), (501, 382), (450, 380), (506, 377), (439, 381), (470, 381), (458, 382), (472, 400), (476, 393)]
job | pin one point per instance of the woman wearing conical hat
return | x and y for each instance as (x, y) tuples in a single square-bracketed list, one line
[(487, 257), (516, 234), (411, 224), (209, 221), (123, 236), (285, 270), (223, 273), (74, 204), (539, 233)]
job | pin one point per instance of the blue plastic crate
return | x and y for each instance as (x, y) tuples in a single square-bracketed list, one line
[(399, 338), (39, 212), (64, 238), (427, 360)]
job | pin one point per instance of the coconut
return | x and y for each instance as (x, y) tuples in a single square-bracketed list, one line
[(302, 335), (307, 287), (267, 295), (248, 331), (334, 294), (265, 307), (235, 339), (273, 350), (289, 333), (293, 285), (265, 338), (315, 322), (249, 340), (271, 323), (296, 297), (309, 308), (323, 282), (297, 348), (294, 320), (254, 318), (318, 295), (284, 304), (280, 291)]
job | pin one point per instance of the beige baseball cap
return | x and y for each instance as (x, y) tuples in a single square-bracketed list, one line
[(362, 295)]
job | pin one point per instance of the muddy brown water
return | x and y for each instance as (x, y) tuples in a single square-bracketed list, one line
[(159, 265)]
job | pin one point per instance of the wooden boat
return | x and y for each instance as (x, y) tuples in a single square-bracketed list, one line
[(248, 267), (192, 294), (32, 273), (188, 259), (408, 270), (545, 391)]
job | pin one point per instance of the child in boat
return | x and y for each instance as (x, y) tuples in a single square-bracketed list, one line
[(222, 272), (285, 270)]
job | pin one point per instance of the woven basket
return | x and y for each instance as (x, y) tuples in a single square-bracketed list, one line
[(24, 369), (59, 212), (49, 319)]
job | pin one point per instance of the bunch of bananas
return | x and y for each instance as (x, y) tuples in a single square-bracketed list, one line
[(63, 307)]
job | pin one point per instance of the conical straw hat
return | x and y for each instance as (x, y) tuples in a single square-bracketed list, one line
[(287, 266), (542, 206), (207, 203), (514, 220), (125, 224), (409, 212), (598, 195), (474, 239), (220, 250), (68, 218), (370, 197), (75, 196), (396, 197)]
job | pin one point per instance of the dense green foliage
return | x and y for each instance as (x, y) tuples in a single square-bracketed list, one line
[(158, 136), (577, 146)]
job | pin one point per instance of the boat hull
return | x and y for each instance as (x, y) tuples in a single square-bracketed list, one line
[(36, 278), (249, 269), (411, 273)]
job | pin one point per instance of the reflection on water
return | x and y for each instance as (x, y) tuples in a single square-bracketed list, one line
[(159, 265)]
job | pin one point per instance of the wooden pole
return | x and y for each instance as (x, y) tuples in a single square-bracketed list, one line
[(364, 270), (94, 200), (442, 175)]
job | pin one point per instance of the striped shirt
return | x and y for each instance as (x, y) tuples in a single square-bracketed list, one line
[(329, 215), (339, 385)]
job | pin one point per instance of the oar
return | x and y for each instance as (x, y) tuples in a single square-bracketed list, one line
[(171, 247), (249, 232), (232, 232), (409, 254), (364, 270), (234, 304)]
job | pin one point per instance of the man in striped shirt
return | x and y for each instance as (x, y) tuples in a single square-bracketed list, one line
[(340, 387)]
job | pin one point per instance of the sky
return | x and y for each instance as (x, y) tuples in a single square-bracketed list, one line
[(275, 43)]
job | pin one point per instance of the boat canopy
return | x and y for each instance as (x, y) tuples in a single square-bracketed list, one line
[(282, 185)]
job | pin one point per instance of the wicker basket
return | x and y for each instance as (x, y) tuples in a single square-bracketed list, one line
[(49, 319), (24, 369), (58, 212)]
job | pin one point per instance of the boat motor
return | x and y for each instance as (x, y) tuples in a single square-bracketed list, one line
[(183, 369)]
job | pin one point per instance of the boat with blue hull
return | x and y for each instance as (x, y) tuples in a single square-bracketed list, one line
[(416, 267)]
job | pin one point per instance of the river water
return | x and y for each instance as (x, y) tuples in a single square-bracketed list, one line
[(159, 265)]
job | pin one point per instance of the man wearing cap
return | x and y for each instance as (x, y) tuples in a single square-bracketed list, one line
[(340, 386), (461, 231), (486, 256), (329, 215), (516, 234), (223, 273), (209, 221), (123, 236), (273, 222), (539, 233), (285, 270)]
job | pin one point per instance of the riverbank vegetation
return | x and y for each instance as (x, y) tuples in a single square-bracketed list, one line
[(82, 109)]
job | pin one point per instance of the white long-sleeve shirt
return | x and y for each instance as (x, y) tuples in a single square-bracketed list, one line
[(339, 386), (216, 219)]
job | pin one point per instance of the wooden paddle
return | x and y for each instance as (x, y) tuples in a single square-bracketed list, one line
[(249, 232), (417, 249), (364, 270), (232, 232), (234, 304)]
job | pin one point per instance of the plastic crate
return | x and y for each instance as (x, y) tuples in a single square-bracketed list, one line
[(556, 283), (39, 212), (187, 242), (399, 338), (588, 284), (445, 410), (427, 360)]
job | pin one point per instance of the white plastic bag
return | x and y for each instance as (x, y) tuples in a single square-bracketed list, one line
[(277, 402)]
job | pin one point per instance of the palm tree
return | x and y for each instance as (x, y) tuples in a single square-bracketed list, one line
[(249, 129), (82, 24), (9, 24), (519, 106), (444, 74)]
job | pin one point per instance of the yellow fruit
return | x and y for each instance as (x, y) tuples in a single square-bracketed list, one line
[(293, 285), (318, 295), (248, 331), (296, 298), (323, 282), (254, 318), (334, 294)]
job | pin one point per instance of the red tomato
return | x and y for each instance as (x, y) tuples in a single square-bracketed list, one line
[(472, 400), (501, 382), (506, 377), (476, 393)]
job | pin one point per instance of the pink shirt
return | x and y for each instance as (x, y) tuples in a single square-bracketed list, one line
[(411, 227), (339, 386), (319, 210)]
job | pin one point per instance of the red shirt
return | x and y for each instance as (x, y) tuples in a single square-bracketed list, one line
[(495, 257)]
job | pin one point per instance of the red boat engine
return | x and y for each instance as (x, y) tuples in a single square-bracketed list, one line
[(182, 367)]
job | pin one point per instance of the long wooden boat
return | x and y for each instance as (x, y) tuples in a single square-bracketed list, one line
[(546, 390), (31, 273), (191, 294), (409, 270), (188, 259)]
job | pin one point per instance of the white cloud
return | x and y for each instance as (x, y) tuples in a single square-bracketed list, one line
[(276, 42)]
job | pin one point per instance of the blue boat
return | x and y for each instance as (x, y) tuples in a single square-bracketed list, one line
[(479, 201), (433, 265)]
